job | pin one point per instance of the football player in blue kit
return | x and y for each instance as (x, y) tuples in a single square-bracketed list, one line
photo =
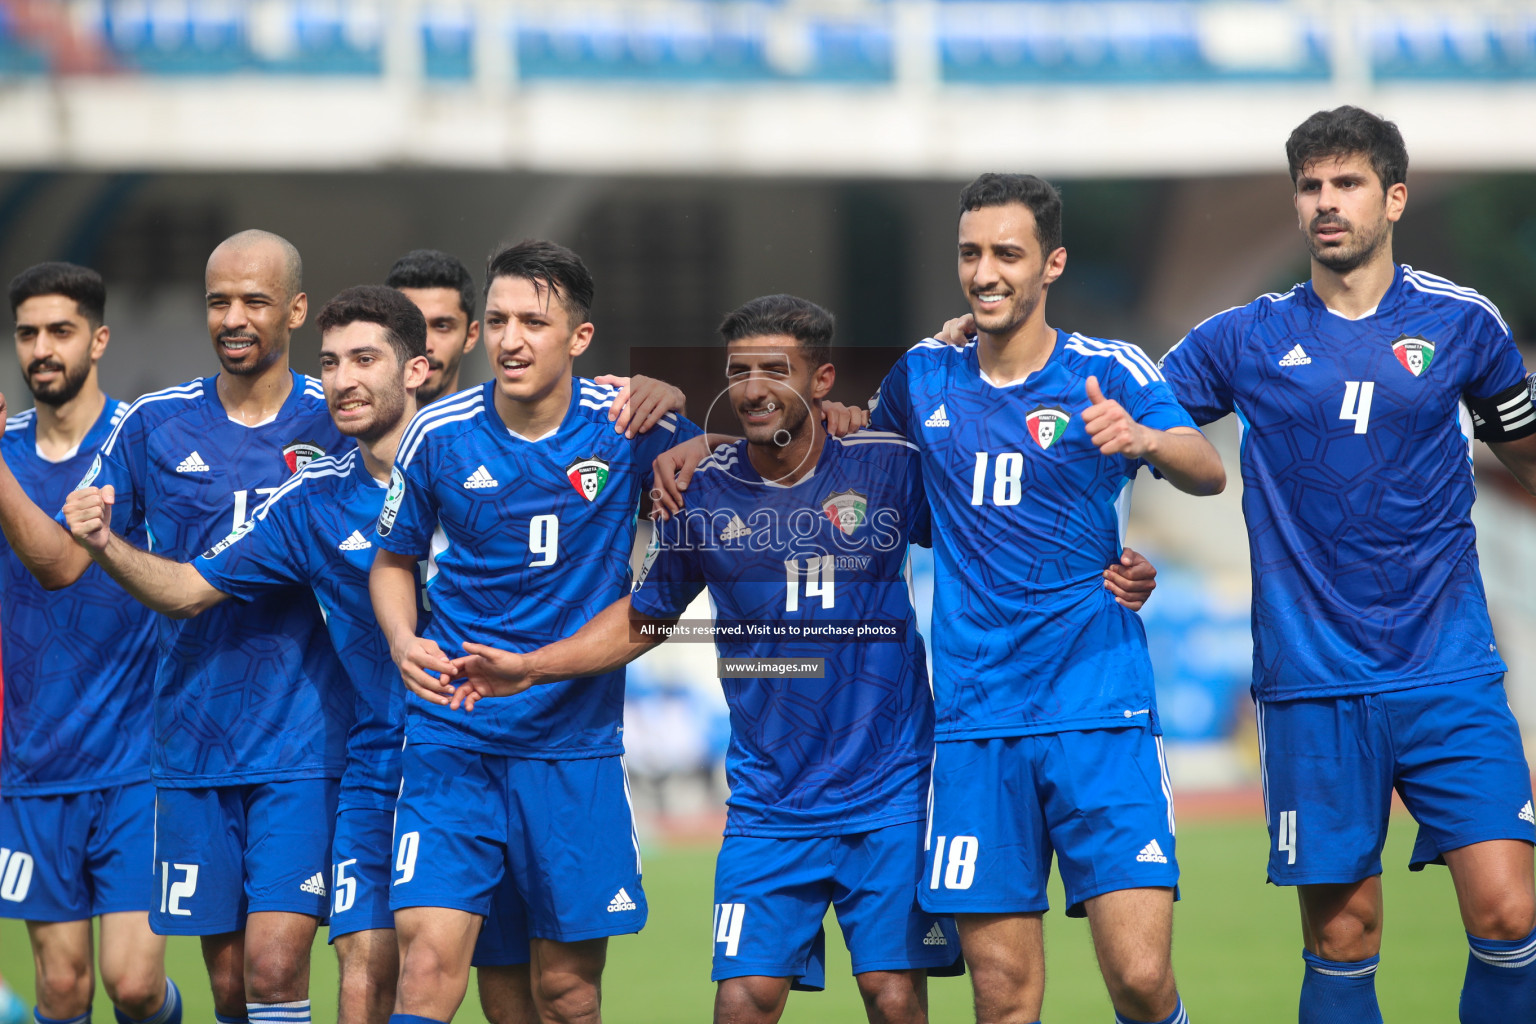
[(250, 709), (1047, 733), (313, 532), (76, 801), (444, 291), (790, 528), (535, 493), (1375, 666)]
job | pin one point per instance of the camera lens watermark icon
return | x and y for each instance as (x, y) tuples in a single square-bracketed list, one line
[(781, 437)]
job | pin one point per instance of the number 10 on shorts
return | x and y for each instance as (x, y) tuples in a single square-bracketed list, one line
[(960, 870)]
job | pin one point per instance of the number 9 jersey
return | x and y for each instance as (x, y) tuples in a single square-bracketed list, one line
[(539, 533), (1357, 478), (1027, 513)]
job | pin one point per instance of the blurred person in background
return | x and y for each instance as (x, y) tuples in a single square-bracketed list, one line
[(1375, 665), (444, 291), (76, 801)]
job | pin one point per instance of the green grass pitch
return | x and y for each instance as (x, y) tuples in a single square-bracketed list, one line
[(1236, 948)]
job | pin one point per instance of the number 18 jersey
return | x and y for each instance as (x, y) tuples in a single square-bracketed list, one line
[(1357, 478), (1026, 516)]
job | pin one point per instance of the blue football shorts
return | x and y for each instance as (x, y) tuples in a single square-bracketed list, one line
[(1451, 750), (361, 871), (225, 852), (72, 856), (1098, 799), (562, 832), (771, 897)]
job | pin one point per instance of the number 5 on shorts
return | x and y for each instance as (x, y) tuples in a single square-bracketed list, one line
[(962, 862)]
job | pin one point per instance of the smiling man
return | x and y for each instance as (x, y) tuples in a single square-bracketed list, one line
[(1047, 735), (1360, 392), (535, 492), (250, 714), (793, 530), (76, 802)]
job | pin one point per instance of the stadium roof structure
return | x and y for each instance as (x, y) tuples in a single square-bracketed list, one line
[(904, 88)]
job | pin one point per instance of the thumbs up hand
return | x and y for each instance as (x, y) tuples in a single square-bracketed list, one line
[(1111, 428)]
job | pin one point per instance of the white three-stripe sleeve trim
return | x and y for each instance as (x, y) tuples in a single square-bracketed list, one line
[(186, 392), (435, 416)]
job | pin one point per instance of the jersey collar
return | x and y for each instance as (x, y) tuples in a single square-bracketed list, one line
[(1389, 299), (748, 472)]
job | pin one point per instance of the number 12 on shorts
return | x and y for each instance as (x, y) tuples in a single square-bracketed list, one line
[(960, 871)]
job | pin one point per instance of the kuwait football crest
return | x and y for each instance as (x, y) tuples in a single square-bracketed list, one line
[(588, 476), (1047, 425), (1414, 353), (300, 454), (846, 509)]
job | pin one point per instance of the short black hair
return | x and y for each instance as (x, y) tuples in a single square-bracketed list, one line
[(1345, 131), (546, 265), (405, 327), (70, 280), (431, 268), (801, 319), (1036, 193)]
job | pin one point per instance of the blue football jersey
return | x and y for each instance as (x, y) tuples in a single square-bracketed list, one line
[(811, 757), (1026, 516), (315, 532), (1357, 479), (244, 692), (79, 662), (538, 538)]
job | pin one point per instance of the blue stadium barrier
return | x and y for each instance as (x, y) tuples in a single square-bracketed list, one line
[(1086, 41), (316, 38), (1073, 42), (17, 56), (1452, 44)]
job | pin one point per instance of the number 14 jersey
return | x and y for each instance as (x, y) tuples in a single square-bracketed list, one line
[(1357, 478)]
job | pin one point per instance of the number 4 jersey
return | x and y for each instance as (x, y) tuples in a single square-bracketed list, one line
[(1357, 478), (539, 534), (1027, 514), (245, 692)]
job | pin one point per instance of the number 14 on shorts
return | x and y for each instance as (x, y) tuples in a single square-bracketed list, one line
[(960, 869)]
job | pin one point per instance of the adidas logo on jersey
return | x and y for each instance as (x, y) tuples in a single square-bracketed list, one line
[(940, 418), (935, 936), (193, 464), (314, 884), (620, 901), (735, 529), (1526, 814), (480, 479), (1152, 854), (356, 542), (1295, 357)]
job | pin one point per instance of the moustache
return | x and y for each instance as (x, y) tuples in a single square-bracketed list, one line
[(39, 365), (238, 336)]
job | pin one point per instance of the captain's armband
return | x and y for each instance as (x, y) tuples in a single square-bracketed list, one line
[(1506, 416)]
